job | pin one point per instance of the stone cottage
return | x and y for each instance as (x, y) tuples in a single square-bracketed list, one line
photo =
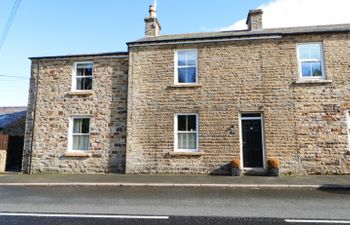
[(189, 103)]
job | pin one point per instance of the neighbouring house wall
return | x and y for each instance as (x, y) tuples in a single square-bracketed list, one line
[(16, 128), (29, 132), (305, 125), (55, 104)]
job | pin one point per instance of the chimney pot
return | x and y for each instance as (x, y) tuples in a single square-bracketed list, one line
[(152, 25), (152, 11), (254, 19)]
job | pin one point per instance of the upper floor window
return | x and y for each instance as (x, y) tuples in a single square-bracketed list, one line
[(83, 76), (310, 57), (80, 134), (186, 132), (186, 66)]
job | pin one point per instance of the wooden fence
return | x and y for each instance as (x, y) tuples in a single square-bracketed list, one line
[(4, 139)]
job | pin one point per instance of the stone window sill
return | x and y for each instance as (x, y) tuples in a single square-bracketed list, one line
[(186, 153), (313, 82), (185, 86), (77, 154), (80, 93)]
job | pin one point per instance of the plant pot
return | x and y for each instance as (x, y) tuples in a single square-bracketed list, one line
[(235, 171), (274, 172)]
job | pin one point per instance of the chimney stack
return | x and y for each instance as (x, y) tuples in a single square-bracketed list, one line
[(254, 20), (152, 24)]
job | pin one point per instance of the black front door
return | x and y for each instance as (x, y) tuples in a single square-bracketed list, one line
[(252, 142)]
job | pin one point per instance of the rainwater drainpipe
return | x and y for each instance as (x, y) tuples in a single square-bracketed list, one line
[(34, 116)]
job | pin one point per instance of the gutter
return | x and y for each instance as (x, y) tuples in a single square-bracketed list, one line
[(193, 41), (34, 116)]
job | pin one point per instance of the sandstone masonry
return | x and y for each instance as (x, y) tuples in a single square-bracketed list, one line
[(305, 124), (52, 103), (134, 100)]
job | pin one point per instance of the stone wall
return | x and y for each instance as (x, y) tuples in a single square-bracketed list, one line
[(3, 154), (55, 104), (305, 124)]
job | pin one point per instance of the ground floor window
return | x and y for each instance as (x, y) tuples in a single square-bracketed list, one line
[(80, 134), (186, 132)]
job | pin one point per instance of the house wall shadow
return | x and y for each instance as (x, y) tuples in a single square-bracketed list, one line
[(118, 70), (335, 189)]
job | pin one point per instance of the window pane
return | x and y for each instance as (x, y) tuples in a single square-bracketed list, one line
[(79, 85), (88, 71), (85, 125), (181, 123), (187, 75), (77, 124), (182, 75), (81, 125), (81, 142), (87, 83), (191, 123), (186, 141), (310, 51), (244, 115), (191, 58), (84, 69), (191, 141), (303, 52), (315, 51), (306, 69), (181, 58), (181, 141), (80, 71), (84, 83), (316, 69), (186, 58)]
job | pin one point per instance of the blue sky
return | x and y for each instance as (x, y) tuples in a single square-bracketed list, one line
[(60, 27)]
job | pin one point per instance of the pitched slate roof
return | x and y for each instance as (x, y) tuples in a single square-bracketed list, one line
[(9, 115), (104, 54), (245, 33)]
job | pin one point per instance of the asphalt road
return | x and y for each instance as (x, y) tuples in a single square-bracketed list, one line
[(173, 220), (181, 205)]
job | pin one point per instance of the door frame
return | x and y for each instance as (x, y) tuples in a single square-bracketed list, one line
[(261, 118)]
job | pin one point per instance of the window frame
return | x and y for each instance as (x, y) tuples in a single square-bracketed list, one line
[(71, 133), (176, 132), (323, 77), (75, 77), (176, 66)]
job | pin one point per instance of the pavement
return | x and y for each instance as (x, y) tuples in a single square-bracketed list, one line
[(250, 182)]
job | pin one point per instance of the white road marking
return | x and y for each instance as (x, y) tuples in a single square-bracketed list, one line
[(318, 221), (84, 215)]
